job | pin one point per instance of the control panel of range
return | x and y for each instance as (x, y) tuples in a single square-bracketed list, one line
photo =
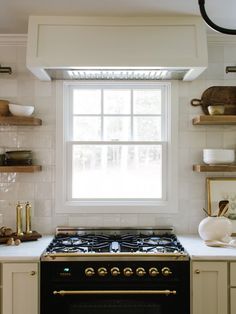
[(128, 271)]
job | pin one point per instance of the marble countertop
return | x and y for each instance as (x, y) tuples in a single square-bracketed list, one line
[(26, 251), (196, 248)]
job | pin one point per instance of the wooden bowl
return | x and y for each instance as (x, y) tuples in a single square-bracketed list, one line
[(4, 107)]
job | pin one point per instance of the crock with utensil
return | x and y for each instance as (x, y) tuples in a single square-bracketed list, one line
[(216, 228)]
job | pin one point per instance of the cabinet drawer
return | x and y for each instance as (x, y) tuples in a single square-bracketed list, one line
[(233, 274)]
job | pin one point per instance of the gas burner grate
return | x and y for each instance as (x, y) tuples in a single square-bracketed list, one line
[(115, 243)]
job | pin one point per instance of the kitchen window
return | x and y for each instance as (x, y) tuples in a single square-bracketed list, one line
[(115, 147)]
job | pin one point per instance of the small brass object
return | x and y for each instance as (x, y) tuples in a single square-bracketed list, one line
[(128, 272), (166, 271), (140, 271), (28, 218), (19, 231), (109, 292), (102, 271), (153, 272), (89, 272), (115, 271)]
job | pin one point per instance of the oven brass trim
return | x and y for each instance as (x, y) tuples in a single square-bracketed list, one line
[(82, 292), (115, 254)]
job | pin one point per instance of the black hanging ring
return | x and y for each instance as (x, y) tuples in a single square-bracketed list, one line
[(212, 24)]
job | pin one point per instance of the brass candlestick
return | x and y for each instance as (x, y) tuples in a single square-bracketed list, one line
[(19, 230), (28, 218)]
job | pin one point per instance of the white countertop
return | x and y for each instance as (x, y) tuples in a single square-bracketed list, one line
[(197, 249), (26, 251)]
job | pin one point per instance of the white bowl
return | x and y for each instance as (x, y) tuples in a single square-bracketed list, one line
[(21, 111), (218, 156)]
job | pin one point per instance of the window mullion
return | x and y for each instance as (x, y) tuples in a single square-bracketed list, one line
[(131, 116), (102, 114)]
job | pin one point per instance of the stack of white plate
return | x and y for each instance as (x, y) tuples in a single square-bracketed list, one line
[(218, 156)]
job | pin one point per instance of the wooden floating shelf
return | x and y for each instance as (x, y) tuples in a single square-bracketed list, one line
[(214, 168), (32, 168), (214, 120), (13, 120)]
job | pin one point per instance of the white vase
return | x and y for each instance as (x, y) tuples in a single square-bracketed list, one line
[(215, 228)]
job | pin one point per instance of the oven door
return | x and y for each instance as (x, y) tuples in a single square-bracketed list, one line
[(65, 288), (115, 302)]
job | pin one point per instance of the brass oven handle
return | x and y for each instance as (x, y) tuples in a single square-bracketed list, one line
[(76, 292)]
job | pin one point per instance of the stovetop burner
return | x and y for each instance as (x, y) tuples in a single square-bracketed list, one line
[(114, 243)]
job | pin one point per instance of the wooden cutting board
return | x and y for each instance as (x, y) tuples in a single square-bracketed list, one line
[(25, 237), (218, 95)]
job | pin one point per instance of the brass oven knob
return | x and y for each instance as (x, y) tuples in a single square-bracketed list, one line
[(166, 271), (102, 271), (115, 271), (128, 272), (140, 272), (89, 272), (153, 272)]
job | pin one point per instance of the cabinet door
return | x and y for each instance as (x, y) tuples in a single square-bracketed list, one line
[(209, 284), (20, 288), (232, 300)]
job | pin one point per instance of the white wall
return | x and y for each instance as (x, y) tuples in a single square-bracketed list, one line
[(38, 188)]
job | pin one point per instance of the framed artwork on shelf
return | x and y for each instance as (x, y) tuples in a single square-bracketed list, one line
[(222, 189)]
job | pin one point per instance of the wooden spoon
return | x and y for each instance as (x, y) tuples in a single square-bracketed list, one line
[(223, 207)]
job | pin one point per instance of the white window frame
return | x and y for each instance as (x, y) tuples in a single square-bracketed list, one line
[(63, 115)]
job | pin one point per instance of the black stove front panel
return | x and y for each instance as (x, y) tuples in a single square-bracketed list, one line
[(111, 286), (108, 273)]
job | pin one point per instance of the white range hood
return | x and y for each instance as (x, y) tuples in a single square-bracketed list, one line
[(111, 48)]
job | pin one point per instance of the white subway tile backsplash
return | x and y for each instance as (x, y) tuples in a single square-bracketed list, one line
[(43, 208), (8, 88), (43, 190), (83, 220), (216, 55), (129, 220), (192, 139), (35, 139), (214, 139), (229, 139), (39, 187), (8, 54), (42, 224), (43, 89), (111, 220)]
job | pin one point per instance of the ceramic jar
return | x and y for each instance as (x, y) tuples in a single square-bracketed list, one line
[(215, 228)]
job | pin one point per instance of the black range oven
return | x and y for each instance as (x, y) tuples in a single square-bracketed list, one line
[(136, 276)]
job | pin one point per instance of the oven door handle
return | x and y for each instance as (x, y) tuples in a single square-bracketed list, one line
[(83, 292)]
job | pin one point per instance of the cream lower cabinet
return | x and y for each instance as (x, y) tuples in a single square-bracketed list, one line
[(233, 288), (210, 288), (20, 288)]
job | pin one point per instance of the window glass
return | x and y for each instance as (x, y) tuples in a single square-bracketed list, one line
[(147, 101), (117, 171), (117, 101), (117, 128), (86, 128), (86, 101)]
